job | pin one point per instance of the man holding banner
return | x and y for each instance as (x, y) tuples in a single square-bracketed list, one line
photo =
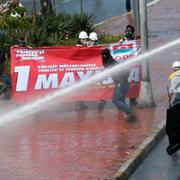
[(129, 36)]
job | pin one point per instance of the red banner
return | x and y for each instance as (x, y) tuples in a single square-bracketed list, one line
[(38, 71)]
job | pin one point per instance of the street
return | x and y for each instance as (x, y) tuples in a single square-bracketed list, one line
[(102, 9), (159, 165)]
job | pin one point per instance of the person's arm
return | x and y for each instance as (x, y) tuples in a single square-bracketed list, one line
[(173, 85)]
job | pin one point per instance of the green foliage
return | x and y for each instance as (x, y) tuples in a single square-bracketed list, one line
[(14, 18), (54, 29), (14, 24), (83, 22), (108, 38), (13, 9)]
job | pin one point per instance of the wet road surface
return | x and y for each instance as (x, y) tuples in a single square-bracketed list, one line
[(59, 143), (69, 145), (158, 165)]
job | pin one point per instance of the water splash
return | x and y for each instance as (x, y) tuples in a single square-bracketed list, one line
[(40, 103)]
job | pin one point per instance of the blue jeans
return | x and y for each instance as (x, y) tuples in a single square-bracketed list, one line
[(119, 96)]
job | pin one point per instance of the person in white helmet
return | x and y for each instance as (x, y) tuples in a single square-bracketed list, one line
[(174, 90), (93, 38), (83, 39), (173, 115)]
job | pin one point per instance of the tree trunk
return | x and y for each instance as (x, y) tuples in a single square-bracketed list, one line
[(34, 13), (46, 8)]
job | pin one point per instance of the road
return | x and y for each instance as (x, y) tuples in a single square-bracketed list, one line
[(102, 9), (158, 165)]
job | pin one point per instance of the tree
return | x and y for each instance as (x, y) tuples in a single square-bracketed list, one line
[(14, 20)]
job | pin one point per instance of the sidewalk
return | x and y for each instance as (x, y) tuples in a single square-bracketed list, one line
[(164, 26)]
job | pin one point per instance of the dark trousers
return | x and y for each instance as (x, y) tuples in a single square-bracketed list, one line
[(128, 5), (119, 96)]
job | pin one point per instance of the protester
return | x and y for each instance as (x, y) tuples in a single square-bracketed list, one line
[(121, 85), (129, 36), (173, 115), (83, 39), (129, 32), (93, 38), (174, 90), (5, 82)]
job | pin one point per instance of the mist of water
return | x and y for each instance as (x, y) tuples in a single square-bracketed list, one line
[(39, 104)]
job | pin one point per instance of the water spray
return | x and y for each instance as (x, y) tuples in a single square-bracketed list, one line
[(40, 103)]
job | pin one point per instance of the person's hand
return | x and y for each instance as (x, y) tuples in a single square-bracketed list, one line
[(121, 40)]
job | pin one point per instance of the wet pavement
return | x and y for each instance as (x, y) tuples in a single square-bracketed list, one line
[(165, 168), (69, 145), (58, 143)]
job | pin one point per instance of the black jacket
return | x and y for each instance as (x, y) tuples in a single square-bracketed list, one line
[(120, 76)]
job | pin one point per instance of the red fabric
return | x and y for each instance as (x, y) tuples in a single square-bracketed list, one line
[(64, 60)]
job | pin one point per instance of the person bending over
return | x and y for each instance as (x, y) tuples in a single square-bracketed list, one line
[(121, 85)]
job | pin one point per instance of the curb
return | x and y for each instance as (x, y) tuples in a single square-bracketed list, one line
[(142, 151)]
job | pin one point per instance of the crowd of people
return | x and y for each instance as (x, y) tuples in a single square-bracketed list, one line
[(121, 88), (120, 79), (16, 9)]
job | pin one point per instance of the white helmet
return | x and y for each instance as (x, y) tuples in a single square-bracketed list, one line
[(176, 64), (93, 36), (83, 35)]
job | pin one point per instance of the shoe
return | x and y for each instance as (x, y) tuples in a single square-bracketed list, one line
[(133, 102), (78, 107), (172, 149), (101, 104), (81, 106), (130, 117), (3, 88)]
